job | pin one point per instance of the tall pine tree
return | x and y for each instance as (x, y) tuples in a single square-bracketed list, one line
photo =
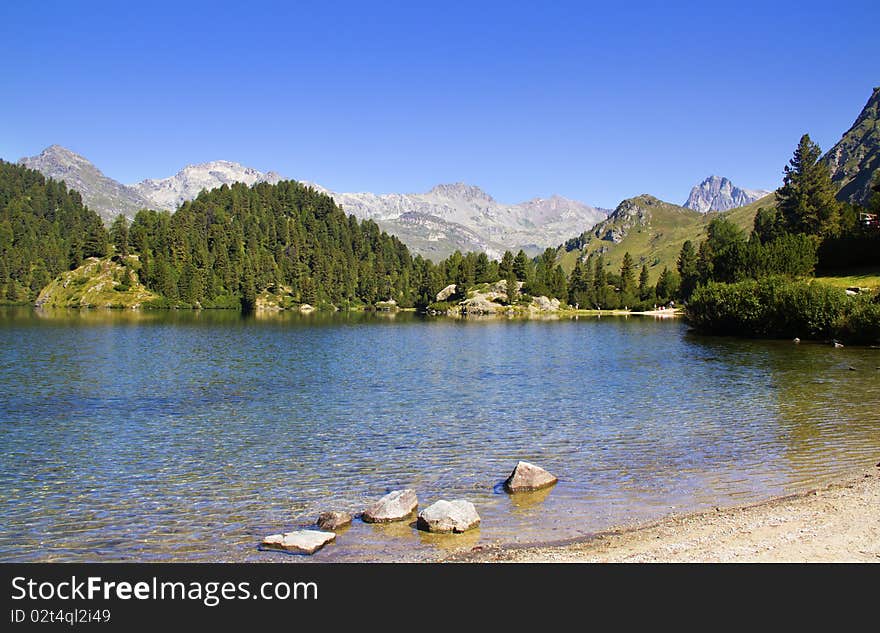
[(806, 199)]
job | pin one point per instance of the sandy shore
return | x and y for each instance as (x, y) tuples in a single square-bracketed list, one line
[(836, 523)]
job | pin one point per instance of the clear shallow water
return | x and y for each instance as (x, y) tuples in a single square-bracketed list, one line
[(190, 436)]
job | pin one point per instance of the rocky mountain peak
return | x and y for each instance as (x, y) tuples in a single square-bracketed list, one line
[(104, 195), (717, 193), (169, 193), (461, 191)]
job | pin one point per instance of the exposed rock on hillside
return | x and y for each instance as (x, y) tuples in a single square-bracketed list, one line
[(98, 283)]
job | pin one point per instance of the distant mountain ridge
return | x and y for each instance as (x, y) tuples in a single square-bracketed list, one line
[(531, 225), (449, 217), (717, 193), (169, 193), (107, 197)]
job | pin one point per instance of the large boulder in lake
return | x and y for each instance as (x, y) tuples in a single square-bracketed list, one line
[(395, 506), (449, 516), (301, 542), (527, 476), (333, 520)]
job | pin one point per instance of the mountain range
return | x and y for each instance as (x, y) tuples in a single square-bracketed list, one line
[(449, 217), (719, 194)]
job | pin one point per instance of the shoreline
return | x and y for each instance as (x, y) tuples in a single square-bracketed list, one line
[(836, 522)]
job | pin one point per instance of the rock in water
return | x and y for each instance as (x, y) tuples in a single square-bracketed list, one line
[(449, 516), (527, 476), (333, 520), (302, 542), (395, 506)]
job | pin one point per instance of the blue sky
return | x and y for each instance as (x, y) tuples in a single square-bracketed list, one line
[(588, 100)]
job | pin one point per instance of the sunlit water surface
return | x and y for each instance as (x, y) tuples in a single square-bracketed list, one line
[(190, 436)]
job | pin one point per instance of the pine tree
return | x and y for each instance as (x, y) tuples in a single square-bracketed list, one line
[(521, 266), (512, 289), (667, 285), (627, 275), (806, 199), (688, 269), (644, 289), (506, 265), (119, 235), (600, 283)]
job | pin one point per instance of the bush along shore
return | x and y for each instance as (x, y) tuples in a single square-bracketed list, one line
[(775, 307)]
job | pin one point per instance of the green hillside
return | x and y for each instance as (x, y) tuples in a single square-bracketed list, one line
[(652, 232), (856, 157)]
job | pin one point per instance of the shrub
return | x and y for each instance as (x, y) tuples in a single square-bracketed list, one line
[(772, 307), (861, 323)]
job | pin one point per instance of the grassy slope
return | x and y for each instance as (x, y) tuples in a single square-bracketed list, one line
[(658, 242), (861, 278), (95, 284)]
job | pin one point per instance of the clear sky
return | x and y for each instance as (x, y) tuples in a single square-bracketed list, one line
[(595, 101)]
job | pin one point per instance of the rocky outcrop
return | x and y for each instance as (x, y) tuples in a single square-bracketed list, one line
[(479, 305), (449, 516), (395, 506), (527, 477), (543, 304), (305, 308), (301, 542), (447, 292), (332, 520), (719, 194)]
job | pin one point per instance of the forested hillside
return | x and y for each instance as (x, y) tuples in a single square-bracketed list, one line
[(231, 243), (44, 230)]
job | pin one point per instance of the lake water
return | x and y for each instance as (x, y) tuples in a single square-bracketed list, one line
[(189, 436)]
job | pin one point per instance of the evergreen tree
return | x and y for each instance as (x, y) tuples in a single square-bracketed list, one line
[(506, 265), (483, 269), (521, 266), (768, 225), (627, 276), (601, 291), (644, 288), (512, 290), (119, 235), (806, 199), (667, 285), (688, 269)]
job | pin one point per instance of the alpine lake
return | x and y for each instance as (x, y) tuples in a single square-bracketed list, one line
[(189, 436)]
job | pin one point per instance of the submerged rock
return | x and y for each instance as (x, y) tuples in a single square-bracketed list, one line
[(527, 476), (449, 516), (395, 506), (302, 542), (333, 520)]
